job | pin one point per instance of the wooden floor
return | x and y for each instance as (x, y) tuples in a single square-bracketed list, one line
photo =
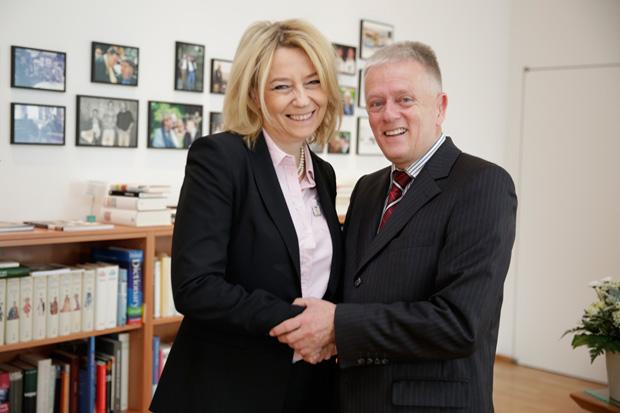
[(520, 389)]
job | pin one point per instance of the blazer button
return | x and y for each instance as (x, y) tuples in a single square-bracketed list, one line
[(361, 361), (357, 282), (384, 361), (369, 360), (377, 362)]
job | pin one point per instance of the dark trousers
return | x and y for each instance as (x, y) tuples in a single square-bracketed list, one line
[(311, 388)]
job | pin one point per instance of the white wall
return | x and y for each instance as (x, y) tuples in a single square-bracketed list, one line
[(48, 182)]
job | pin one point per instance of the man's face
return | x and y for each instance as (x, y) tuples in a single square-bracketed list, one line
[(405, 109)]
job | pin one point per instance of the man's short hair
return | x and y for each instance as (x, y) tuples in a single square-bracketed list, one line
[(406, 50)]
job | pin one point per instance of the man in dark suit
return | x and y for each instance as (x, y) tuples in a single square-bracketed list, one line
[(427, 244)]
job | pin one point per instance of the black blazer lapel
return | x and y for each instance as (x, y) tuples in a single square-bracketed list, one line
[(329, 211), (422, 190), (275, 204)]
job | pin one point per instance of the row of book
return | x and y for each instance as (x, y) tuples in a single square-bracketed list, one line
[(163, 301), (87, 376), (160, 355), (136, 205), (47, 301)]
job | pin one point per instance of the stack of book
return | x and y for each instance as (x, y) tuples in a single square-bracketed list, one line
[(136, 205), (15, 227), (69, 225)]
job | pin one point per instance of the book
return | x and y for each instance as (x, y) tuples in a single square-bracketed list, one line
[(100, 397), (140, 187), (46, 378), (14, 272), (70, 225), (123, 338), (88, 298), (157, 288), (64, 301), (112, 347), (135, 203), (29, 377), (156, 342), (121, 313), (135, 218), (138, 194), (131, 260), (5, 384), (73, 360), (11, 331), (25, 316), (40, 305), (9, 264), (63, 386), (109, 379), (166, 301), (76, 275), (53, 305), (16, 389), (2, 307), (15, 227)]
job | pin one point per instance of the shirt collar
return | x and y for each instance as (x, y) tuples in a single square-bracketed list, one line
[(279, 158), (414, 169)]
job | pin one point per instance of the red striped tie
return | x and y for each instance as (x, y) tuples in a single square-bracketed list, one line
[(400, 180)]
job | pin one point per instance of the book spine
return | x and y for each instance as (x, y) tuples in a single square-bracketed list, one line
[(157, 288), (64, 317), (2, 308), (134, 290), (12, 303), (121, 312), (155, 372), (25, 320), (76, 300), (88, 299), (100, 405), (124, 339), (53, 305), (101, 298), (40, 305), (30, 391), (166, 287)]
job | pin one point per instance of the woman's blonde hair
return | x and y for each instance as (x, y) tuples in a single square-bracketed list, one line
[(245, 94)]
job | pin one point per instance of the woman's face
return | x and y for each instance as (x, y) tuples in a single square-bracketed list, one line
[(294, 97)]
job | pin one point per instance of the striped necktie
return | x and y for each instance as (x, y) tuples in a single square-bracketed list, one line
[(400, 180)]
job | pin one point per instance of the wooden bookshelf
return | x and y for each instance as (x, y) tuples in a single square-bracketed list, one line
[(48, 246)]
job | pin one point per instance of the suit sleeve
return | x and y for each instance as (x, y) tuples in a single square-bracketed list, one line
[(200, 249), (473, 262)]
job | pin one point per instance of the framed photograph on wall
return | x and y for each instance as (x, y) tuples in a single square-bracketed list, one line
[(216, 122), (38, 69), (189, 67), (114, 64), (103, 121), (374, 36), (347, 95), (173, 125), (345, 59), (340, 144), (361, 98), (220, 72), (366, 143), (37, 124)]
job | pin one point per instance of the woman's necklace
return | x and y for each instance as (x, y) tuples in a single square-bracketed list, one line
[(301, 168)]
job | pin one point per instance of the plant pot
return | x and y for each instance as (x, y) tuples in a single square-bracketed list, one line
[(612, 361)]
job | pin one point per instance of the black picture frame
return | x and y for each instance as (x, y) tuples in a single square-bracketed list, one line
[(361, 98), (365, 143), (114, 64), (220, 72), (216, 122), (38, 69), (346, 59), (184, 124), (185, 79), (373, 36), (38, 124), (106, 122)]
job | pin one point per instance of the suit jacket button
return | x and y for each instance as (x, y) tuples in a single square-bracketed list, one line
[(369, 360), (361, 361), (377, 361), (384, 361), (357, 282)]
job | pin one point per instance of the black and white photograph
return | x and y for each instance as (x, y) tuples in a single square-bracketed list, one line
[(374, 36), (220, 72), (33, 124), (361, 99), (366, 143), (345, 59), (38, 69), (340, 143), (104, 121), (216, 122), (173, 125), (114, 64), (189, 67)]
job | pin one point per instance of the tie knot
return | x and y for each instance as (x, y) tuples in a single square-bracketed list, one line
[(401, 178)]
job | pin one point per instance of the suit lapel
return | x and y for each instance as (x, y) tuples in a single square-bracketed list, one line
[(275, 204), (327, 206), (376, 193), (422, 190)]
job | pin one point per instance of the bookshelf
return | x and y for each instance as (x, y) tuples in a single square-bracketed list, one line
[(48, 246)]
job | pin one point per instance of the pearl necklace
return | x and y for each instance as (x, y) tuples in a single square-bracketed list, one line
[(301, 168)]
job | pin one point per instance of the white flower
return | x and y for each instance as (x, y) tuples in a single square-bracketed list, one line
[(616, 317), (594, 308)]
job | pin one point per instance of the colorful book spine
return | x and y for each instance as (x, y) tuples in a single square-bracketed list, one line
[(76, 276), (13, 311), (25, 319)]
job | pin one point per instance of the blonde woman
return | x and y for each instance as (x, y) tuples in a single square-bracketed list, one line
[(256, 228)]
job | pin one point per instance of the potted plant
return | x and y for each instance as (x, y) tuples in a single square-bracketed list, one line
[(599, 330)]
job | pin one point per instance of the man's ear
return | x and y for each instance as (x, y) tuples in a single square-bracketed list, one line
[(442, 106)]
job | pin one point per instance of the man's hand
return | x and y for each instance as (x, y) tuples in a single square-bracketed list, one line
[(311, 333)]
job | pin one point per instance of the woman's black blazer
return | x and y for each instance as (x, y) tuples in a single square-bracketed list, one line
[(235, 273)]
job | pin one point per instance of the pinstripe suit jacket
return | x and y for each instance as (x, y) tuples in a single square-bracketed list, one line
[(417, 331)]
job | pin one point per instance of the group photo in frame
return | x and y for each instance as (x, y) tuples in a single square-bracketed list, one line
[(220, 73), (173, 125), (189, 67), (34, 124), (106, 122), (366, 143), (38, 69), (373, 36), (347, 96), (345, 59), (340, 144), (114, 64), (216, 122)]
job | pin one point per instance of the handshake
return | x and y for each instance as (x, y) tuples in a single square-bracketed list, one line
[(311, 334)]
